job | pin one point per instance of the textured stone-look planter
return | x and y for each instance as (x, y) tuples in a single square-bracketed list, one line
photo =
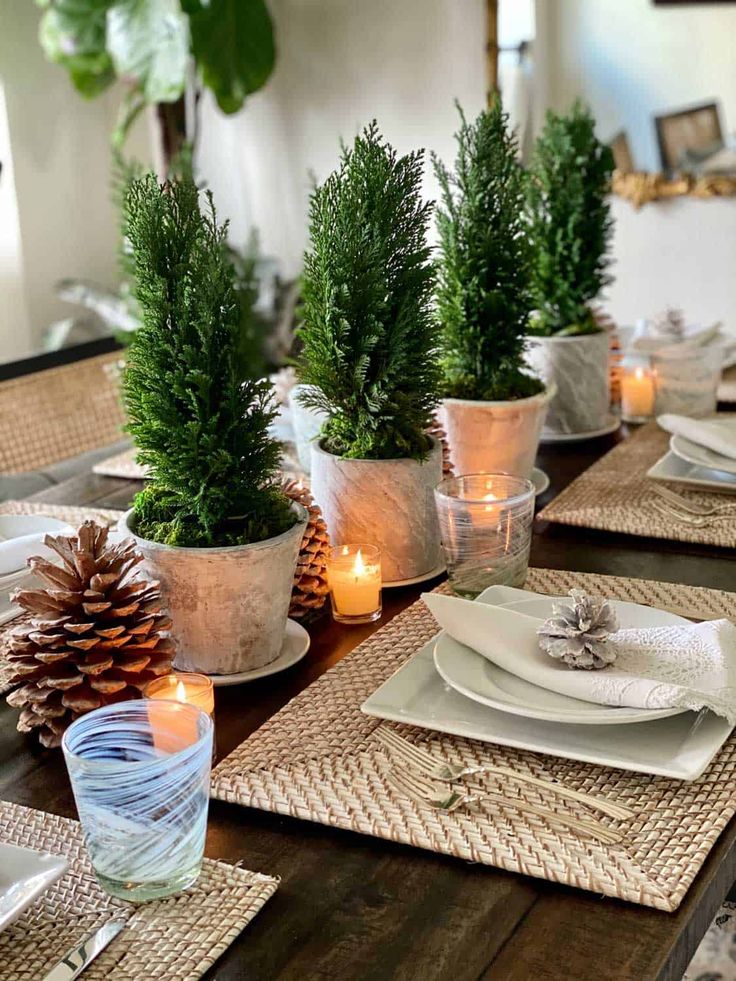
[(389, 503), (578, 366), (228, 605), (494, 437), (307, 424)]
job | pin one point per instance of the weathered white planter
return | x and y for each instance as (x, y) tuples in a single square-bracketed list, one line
[(579, 367), (228, 605), (494, 437), (389, 503), (307, 424)]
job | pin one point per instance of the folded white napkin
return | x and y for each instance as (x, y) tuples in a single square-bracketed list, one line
[(689, 666), (717, 433), (15, 552)]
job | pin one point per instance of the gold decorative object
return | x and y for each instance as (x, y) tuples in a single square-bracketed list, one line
[(642, 187), (97, 634)]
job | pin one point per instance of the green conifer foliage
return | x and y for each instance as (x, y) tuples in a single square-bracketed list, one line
[(200, 428), (570, 222), (369, 338), (483, 294)]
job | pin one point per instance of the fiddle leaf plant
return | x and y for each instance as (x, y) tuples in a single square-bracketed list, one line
[(483, 289), (368, 333), (200, 428), (570, 224)]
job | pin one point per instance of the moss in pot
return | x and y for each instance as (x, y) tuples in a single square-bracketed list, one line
[(494, 409), (369, 355), (212, 527), (570, 228)]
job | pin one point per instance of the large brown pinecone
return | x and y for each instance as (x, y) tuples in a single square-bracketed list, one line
[(97, 633), (436, 430), (310, 590)]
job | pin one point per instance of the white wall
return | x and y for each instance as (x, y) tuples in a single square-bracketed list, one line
[(15, 338), (632, 60), (340, 63)]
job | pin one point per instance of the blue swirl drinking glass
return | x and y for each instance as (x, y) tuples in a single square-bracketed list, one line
[(140, 773)]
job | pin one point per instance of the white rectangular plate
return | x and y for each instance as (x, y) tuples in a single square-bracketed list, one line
[(675, 470), (24, 875)]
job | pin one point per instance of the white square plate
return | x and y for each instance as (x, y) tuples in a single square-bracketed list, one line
[(673, 469), (24, 875), (680, 746)]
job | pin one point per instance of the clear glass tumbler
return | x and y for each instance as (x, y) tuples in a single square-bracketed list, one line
[(486, 525), (140, 774)]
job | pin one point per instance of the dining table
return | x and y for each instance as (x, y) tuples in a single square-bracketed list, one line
[(358, 908)]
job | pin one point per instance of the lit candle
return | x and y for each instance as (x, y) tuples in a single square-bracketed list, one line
[(187, 688), (637, 394), (354, 576)]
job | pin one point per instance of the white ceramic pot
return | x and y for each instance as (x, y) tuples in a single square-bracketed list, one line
[(388, 503), (579, 367), (307, 424), (494, 437), (229, 605)]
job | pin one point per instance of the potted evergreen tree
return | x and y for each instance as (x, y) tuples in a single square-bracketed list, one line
[(570, 230), (211, 525), (369, 356), (494, 409)]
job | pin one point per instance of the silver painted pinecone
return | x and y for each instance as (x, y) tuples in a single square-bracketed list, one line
[(578, 633)]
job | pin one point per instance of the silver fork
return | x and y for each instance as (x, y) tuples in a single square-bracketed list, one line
[(433, 766), (694, 507), (442, 798), (689, 519)]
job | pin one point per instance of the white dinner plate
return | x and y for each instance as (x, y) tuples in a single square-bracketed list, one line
[(612, 424), (478, 678), (294, 647), (701, 455), (680, 747), (17, 525), (24, 875), (672, 469)]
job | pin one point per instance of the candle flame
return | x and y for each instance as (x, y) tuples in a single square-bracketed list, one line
[(181, 692), (639, 373), (359, 567)]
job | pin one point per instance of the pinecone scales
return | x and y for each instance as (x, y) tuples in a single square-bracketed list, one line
[(435, 429), (97, 633), (310, 589)]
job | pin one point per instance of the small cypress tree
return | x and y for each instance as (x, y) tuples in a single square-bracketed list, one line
[(483, 294), (570, 224), (200, 428), (368, 333)]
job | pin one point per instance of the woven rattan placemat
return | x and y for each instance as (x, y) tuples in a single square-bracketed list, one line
[(616, 495), (75, 516), (317, 760), (175, 938)]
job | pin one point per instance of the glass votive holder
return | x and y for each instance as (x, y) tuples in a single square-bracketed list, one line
[(140, 774), (189, 688), (686, 379), (637, 389), (354, 578), (486, 526)]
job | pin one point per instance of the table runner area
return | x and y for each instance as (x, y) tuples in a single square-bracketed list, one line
[(176, 938), (317, 760), (614, 494), (65, 512)]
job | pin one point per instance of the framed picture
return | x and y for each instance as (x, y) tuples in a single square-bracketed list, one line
[(694, 132)]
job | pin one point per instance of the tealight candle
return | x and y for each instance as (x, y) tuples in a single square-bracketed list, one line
[(637, 393), (187, 688), (354, 576)]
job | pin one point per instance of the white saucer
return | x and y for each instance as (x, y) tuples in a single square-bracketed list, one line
[(540, 480), (479, 679), (610, 427), (295, 646), (432, 574), (701, 456)]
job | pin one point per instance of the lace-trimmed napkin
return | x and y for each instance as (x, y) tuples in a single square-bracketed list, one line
[(689, 666)]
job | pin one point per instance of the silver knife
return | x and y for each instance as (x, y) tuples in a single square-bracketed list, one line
[(78, 958)]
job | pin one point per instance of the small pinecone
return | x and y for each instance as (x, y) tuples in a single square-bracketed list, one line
[(669, 324), (97, 634), (436, 430), (310, 579), (578, 633)]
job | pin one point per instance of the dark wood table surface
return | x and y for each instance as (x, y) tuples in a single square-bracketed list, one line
[(354, 907)]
